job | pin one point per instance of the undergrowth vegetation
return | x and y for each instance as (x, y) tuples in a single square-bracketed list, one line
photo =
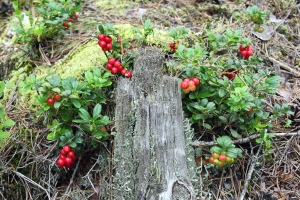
[(223, 80)]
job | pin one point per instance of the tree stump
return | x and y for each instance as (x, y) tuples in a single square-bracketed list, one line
[(150, 155)]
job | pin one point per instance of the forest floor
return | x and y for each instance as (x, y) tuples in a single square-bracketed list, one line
[(276, 176)]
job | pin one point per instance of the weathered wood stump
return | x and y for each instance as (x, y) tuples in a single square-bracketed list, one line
[(150, 156)]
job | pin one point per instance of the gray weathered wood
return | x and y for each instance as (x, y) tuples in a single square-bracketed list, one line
[(149, 155)]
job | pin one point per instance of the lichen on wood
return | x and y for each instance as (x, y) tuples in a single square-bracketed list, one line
[(150, 155)]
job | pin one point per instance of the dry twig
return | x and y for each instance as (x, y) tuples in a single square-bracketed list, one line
[(242, 140)]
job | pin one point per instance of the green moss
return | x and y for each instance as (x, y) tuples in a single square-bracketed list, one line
[(112, 4)]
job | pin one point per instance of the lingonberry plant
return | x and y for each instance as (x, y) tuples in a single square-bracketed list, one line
[(225, 153), (52, 21), (229, 97), (114, 49), (66, 103), (257, 17), (4, 122)]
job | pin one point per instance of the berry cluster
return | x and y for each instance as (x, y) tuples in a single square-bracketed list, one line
[(246, 52), (230, 73), (174, 47), (66, 158), (51, 100), (115, 66), (188, 85), (105, 42), (66, 25), (220, 160)]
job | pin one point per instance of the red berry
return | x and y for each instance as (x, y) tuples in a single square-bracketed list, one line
[(192, 87), (248, 48), (117, 64), (128, 74), (56, 97), (184, 85), (123, 72), (231, 76), (62, 152), (109, 46), (120, 68), (172, 45), (186, 80), (216, 161), (67, 149), (222, 157), (174, 50), (187, 90), (228, 159), (114, 70), (111, 61), (250, 111), (102, 43), (118, 41), (249, 53), (72, 155), (109, 66), (68, 161), (243, 53), (220, 164), (242, 48), (215, 155), (50, 101), (66, 26), (211, 159), (60, 162), (196, 81), (75, 16), (191, 83), (104, 48), (69, 20), (101, 37), (107, 39)]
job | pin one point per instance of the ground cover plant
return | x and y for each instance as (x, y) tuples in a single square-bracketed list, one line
[(236, 101)]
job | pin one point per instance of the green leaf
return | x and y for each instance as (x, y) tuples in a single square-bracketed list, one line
[(78, 140), (54, 80), (97, 111), (4, 134), (2, 113), (76, 103), (208, 126), (8, 123), (84, 115), (210, 105), (234, 133), (103, 121), (101, 29), (147, 23), (137, 30), (223, 119), (100, 134), (52, 136), (216, 149), (222, 93), (89, 77), (80, 121), (73, 144), (225, 142), (63, 139), (69, 134), (57, 104), (2, 86)]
